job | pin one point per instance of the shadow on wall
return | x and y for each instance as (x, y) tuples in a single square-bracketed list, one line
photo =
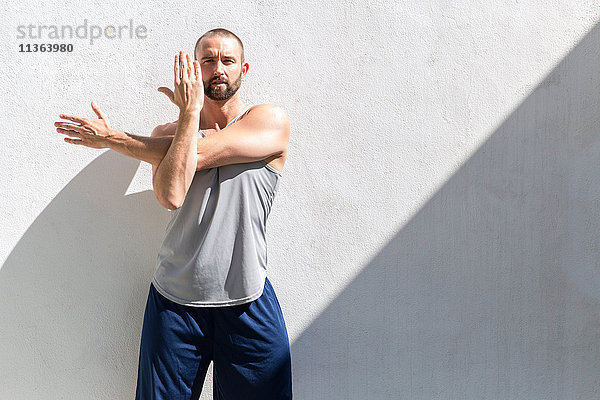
[(492, 291), (73, 290)]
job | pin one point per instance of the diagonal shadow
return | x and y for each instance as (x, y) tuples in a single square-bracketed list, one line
[(492, 290), (70, 308)]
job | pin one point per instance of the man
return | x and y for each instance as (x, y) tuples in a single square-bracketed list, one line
[(209, 298)]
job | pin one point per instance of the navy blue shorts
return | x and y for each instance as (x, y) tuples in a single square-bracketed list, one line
[(248, 344)]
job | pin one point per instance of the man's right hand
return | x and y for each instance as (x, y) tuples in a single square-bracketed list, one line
[(189, 88)]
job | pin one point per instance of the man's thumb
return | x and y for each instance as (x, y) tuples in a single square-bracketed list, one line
[(96, 109), (166, 91)]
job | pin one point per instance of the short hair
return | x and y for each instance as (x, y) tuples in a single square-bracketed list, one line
[(221, 32)]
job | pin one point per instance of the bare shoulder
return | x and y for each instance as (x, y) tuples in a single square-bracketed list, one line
[(167, 129), (271, 112), (276, 118)]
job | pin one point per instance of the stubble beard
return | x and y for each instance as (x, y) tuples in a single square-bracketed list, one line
[(217, 93)]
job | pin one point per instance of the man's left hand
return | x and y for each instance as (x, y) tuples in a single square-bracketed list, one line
[(210, 131), (94, 133)]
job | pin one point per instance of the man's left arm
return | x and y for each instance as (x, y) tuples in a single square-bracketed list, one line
[(262, 133)]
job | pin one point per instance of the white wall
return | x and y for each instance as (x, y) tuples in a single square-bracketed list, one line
[(436, 232)]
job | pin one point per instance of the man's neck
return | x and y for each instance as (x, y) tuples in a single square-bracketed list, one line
[(221, 112)]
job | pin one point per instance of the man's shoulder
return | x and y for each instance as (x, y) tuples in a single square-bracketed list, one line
[(266, 108), (164, 129), (269, 111)]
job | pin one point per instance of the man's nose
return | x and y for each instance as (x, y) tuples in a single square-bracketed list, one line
[(219, 68)]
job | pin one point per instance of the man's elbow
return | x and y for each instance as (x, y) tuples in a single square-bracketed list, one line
[(168, 200), (169, 205)]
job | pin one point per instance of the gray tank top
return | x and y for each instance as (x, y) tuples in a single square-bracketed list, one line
[(214, 252)]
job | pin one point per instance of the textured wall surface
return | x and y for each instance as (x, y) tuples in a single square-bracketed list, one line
[(435, 235)]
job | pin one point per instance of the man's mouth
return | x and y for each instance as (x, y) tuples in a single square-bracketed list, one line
[(218, 83)]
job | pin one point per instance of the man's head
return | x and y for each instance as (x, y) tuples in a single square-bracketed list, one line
[(221, 57)]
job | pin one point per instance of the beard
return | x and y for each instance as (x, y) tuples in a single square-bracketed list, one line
[(222, 93)]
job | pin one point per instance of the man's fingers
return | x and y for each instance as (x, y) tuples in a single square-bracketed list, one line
[(177, 70), (68, 128), (72, 118), (189, 67), (197, 70), (71, 132), (68, 125), (185, 73), (181, 66)]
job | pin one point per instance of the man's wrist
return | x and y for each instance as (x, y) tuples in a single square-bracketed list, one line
[(190, 112), (116, 138)]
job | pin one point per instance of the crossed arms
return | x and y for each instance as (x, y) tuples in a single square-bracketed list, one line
[(262, 133)]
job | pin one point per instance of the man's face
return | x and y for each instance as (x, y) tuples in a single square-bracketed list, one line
[(222, 71)]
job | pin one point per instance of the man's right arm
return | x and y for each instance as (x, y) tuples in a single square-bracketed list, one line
[(151, 149)]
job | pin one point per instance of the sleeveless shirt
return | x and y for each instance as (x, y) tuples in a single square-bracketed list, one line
[(214, 252)]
